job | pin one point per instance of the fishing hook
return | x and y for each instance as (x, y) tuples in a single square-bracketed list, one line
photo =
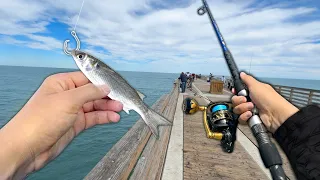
[(65, 44)]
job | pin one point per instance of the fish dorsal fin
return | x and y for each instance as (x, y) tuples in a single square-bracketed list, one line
[(142, 96)]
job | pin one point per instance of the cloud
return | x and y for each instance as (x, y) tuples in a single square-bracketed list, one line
[(160, 34)]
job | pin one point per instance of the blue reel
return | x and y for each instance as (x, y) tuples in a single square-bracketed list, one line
[(219, 108)]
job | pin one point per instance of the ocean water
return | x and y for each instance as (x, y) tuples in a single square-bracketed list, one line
[(300, 83), (17, 84)]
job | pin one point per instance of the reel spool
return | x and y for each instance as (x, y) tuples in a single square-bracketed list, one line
[(219, 115), (218, 121)]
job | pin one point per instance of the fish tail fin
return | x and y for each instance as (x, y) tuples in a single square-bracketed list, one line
[(154, 120)]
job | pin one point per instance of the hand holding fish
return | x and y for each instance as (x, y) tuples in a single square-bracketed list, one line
[(63, 106), (100, 74)]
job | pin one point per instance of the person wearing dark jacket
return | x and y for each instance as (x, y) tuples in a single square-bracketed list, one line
[(296, 131), (183, 78)]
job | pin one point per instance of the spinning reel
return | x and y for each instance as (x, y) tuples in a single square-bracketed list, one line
[(218, 119)]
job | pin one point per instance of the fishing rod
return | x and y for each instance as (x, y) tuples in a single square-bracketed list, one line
[(268, 152)]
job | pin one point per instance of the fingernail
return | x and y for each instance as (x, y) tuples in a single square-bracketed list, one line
[(120, 105), (248, 115), (250, 105), (242, 100), (116, 118), (104, 88), (242, 74)]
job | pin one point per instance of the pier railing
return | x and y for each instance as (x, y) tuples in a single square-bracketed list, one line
[(138, 154), (299, 96)]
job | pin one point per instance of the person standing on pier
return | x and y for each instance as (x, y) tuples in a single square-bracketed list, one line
[(191, 79), (194, 76), (210, 77), (183, 78)]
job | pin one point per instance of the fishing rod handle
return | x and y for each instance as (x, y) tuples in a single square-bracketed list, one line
[(268, 151)]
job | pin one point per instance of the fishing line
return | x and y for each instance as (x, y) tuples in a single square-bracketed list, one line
[(75, 25), (74, 34)]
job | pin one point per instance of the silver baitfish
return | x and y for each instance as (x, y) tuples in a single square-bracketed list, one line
[(101, 74)]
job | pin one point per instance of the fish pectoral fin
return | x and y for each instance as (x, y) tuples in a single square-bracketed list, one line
[(126, 110), (142, 96)]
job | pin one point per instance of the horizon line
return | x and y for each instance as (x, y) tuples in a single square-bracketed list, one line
[(149, 72)]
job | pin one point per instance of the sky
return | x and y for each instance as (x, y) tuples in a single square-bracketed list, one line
[(278, 38)]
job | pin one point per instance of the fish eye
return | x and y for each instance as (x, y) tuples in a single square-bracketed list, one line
[(80, 56)]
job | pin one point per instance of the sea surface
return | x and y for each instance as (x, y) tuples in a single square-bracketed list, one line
[(300, 83), (17, 84)]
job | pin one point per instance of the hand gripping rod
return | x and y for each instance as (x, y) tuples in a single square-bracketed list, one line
[(268, 152)]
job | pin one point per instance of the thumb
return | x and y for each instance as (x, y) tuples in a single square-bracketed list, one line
[(248, 80), (86, 93)]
